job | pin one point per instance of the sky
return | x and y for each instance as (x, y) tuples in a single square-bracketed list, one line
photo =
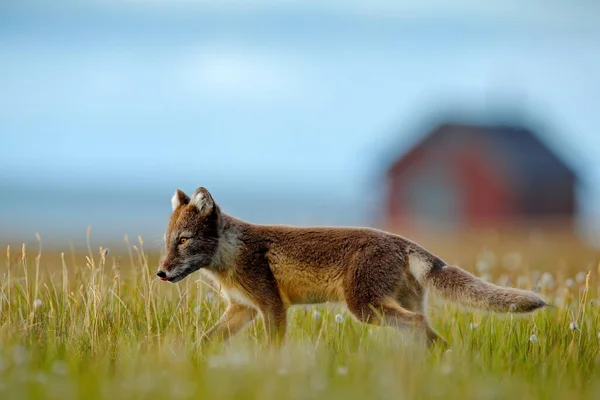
[(262, 98)]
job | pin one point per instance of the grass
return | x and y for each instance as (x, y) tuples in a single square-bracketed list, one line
[(101, 326)]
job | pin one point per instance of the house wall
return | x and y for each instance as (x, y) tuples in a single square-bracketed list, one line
[(455, 184)]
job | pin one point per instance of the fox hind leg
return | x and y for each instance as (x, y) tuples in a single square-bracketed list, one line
[(389, 313), (415, 299), (381, 293), (399, 317)]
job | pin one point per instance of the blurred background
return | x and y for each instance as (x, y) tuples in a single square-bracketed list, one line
[(426, 118)]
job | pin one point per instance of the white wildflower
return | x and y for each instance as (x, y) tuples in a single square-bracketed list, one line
[(448, 354), (309, 352), (547, 280), (197, 309), (37, 303), (522, 281), (19, 355), (482, 266), (473, 325), (41, 378), (504, 280), (559, 301), (533, 338), (573, 326), (486, 260), (446, 369), (60, 367), (342, 371), (182, 390), (316, 315), (512, 261), (339, 318), (580, 277), (235, 360), (210, 297), (570, 283), (317, 382)]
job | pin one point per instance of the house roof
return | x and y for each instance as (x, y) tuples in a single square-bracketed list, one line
[(511, 137), (543, 181)]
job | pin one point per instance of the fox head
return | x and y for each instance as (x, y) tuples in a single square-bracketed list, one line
[(192, 235)]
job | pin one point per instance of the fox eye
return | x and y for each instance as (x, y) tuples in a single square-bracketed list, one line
[(182, 240)]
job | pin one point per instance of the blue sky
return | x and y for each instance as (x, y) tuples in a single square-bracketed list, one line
[(297, 96)]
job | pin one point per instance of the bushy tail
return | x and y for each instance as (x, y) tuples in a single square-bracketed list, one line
[(457, 285)]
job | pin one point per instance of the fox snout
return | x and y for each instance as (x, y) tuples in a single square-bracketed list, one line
[(168, 275), (162, 275), (174, 269), (164, 269)]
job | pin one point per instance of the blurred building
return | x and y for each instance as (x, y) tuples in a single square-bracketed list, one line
[(479, 175)]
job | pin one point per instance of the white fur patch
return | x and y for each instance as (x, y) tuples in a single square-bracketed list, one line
[(239, 297), (199, 200), (418, 267), (212, 277), (175, 201), (230, 293)]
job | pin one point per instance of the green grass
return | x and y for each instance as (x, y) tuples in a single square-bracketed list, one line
[(103, 327)]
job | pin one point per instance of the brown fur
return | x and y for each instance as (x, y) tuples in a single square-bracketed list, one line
[(381, 277)]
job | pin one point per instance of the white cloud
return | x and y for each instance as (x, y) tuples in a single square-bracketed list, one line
[(100, 80), (225, 72)]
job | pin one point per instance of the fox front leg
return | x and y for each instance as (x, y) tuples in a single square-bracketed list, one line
[(233, 320)]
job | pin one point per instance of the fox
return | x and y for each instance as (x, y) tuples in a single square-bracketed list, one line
[(382, 278)]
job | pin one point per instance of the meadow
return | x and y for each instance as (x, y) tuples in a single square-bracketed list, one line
[(97, 324)]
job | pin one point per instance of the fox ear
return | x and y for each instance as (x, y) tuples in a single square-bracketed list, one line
[(203, 200), (179, 198)]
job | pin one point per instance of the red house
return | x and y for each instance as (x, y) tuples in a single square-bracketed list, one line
[(478, 176)]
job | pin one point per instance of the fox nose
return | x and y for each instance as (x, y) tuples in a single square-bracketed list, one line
[(161, 274)]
